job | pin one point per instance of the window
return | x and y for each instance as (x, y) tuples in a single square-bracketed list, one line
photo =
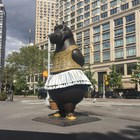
[(120, 69), (86, 33), (135, 2), (130, 39), (79, 35), (130, 29), (79, 18), (73, 21), (86, 50), (87, 8), (94, 4), (104, 15), (113, 3), (119, 54), (118, 42), (96, 57), (80, 11), (67, 11), (72, 1), (106, 36), (104, 7), (73, 8), (86, 58), (86, 1), (87, 14), (131, 51), (118, 22), (67, 5), (106, 45), (66, 18), (106, 56), (96, 38), (73, 14), (86, 22), (106, 26), (113, 11), (80, 4), (96, 11), (130, 67), (130, 18), (80, 25), (96, 18), (96, 47), (124, 7), (118, 32), (103, 1), (96, 29)]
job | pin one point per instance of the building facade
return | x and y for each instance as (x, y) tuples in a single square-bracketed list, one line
[(107, 32), (45, 19), (2, 34)]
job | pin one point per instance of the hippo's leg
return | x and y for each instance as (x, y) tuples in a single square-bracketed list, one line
[(69, 109), (61, 110)]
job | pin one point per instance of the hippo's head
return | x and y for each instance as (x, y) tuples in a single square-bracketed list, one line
[(61, 33)]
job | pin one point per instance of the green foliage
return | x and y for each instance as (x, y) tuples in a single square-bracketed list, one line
[(40, 82), (20, 85), (135, 77), (90, 74), (3, 96), (28, 61), (115, 79)]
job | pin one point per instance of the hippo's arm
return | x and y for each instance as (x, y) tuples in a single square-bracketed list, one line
[(78, 57)]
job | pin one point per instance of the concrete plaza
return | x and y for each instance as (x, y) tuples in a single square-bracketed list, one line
[(119, 120)]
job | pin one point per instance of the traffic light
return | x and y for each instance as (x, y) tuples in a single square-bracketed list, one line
[(106, 79)]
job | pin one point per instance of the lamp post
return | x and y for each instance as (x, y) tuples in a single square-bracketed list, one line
[(49, 52)]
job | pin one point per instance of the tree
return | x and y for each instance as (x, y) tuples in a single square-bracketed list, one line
[(114, 79), (90, 74), (28, 61), (135, 77)]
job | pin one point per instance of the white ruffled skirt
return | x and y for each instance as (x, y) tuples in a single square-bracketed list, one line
[(66, 79)]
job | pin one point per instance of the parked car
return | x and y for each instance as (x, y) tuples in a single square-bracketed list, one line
[(111, 94), (42, 93), (130, 94), (95, 94)]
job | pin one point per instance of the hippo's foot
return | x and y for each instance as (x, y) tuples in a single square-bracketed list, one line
[(56, 114), (70, 116)]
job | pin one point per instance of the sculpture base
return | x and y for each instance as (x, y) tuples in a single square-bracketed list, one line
[(60, 121)]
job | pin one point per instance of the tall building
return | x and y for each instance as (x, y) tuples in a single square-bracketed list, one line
[(107, 32), (2, 34), (45, 19)]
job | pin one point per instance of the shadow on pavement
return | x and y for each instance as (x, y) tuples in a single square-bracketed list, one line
[(131, 133)]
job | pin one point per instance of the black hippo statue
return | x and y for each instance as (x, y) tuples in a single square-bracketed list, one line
[(67, 84)]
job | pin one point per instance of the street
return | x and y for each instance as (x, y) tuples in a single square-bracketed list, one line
[(16, 121)]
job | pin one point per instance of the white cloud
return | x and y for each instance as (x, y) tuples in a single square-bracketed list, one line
[(13, 44)]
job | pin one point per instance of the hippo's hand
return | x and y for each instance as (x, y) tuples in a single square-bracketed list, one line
[(78, 57)]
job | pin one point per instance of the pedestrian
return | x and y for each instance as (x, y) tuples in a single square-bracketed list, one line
[(94, 93)]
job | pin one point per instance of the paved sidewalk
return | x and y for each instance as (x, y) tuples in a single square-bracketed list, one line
[(17, 120), (128, 109)]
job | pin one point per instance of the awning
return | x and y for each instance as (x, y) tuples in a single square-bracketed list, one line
[(128, 85)]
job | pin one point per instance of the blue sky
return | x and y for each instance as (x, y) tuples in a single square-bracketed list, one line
[(20, 18)]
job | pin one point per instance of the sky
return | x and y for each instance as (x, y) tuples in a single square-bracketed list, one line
[(20, 18)]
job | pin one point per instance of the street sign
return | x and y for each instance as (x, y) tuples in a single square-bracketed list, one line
[(45, 73)]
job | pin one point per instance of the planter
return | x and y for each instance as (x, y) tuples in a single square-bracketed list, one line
[(3, 96), (53, 105)]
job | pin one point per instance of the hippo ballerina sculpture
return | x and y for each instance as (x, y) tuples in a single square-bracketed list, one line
[(67, 84)]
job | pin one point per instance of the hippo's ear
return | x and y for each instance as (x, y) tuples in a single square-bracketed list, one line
[(64, 26), (56, 26), (63, 23)]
